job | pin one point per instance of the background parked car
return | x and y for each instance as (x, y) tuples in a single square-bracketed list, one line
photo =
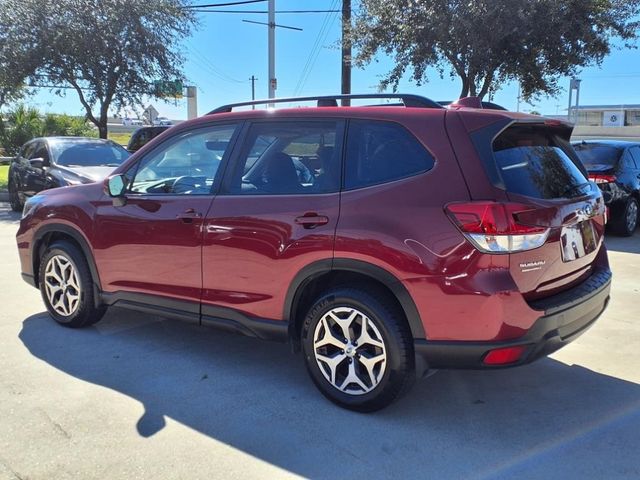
[(143, 135), (161, 121), (615, 167), (127, 121), (52, 162)]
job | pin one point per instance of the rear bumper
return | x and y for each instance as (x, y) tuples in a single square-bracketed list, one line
[(564, 317)]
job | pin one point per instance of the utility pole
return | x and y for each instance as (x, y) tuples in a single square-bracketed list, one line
[(272, 49), (346, 51), (519, 96), (271, 24), (253, 90)]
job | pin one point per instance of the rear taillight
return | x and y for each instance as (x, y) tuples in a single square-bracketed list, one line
[(598, 178), (493, 227)]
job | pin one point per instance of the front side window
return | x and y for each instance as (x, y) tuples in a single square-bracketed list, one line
[(380, 152), (42, 152), (28, 150), (185, 165), (288, 158)]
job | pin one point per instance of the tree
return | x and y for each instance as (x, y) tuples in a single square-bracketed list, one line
[(109, 51), (489, 42), (24, 123)]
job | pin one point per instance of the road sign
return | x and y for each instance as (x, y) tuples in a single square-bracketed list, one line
[(150, 113), (168, 89)]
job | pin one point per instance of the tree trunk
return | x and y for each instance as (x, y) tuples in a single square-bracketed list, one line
[(465, 87), (488, 79), (472, 87), (102, 123), (102, 128)]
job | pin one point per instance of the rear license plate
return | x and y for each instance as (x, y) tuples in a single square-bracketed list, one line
[(578, 241)]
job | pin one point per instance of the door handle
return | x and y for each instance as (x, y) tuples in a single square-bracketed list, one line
[(188, 215), (312, 220)]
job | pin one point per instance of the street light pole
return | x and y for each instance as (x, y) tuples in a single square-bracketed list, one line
[(272, 49)]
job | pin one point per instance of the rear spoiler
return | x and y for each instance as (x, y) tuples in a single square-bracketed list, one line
[(471, 102)]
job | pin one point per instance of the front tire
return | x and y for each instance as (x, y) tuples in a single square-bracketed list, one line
[(67, 286), (14, 198), (358, 348)]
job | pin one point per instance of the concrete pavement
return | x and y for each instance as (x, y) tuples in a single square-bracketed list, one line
[(137, 396)]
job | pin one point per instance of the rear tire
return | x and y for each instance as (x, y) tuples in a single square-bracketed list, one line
[(627, 222), (67, 286), (14, 198), (358, 348)]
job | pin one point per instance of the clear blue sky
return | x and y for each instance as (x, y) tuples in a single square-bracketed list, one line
[(224, 52)]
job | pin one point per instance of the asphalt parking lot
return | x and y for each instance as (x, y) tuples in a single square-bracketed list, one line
[(141, 397)]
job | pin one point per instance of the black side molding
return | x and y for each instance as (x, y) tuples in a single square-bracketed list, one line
[(206, 315)]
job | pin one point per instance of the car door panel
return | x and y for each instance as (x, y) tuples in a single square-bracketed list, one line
[(153, 243), (258, 234), (253, 248)]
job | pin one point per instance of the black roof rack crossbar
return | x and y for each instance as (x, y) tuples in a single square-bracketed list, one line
[(409, 100)]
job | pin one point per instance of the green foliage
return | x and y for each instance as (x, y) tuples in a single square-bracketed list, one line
[(488, 42), (109, 51), (4, 177), (66, 125), (24, 123)]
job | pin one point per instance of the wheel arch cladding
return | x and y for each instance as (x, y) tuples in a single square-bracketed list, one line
[(318, 276), (52, 233)]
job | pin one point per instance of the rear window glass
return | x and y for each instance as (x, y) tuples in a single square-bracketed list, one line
[(87, 153), (594, 155), (535, 162)]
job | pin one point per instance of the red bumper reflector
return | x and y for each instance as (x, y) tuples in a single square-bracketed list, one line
[(504, 356)]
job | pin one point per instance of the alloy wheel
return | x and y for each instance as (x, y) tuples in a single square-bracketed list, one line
[(349, 350), (62, 286)]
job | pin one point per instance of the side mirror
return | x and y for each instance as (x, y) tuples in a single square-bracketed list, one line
[(116, 188), (37, 163)]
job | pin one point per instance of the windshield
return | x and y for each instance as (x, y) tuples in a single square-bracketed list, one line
[(597, 155), (87, 153)]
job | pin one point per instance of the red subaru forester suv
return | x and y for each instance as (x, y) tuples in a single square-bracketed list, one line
[(381, 241)]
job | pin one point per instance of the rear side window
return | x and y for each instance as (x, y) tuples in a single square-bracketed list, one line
[(595, 156), (380, 152), (535, 162), (635, 153)]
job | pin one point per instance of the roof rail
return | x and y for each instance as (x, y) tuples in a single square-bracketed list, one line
[(409, 100)]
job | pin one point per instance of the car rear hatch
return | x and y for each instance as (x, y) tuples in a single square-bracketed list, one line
[(600, 160), (545, 213)]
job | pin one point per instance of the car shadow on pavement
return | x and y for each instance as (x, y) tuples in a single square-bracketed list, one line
[(547, 419), (624, 244), (7, 215)]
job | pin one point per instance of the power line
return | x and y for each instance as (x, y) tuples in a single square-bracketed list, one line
[(210, 66), (265, 11), (317, 47), (226, 4)]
